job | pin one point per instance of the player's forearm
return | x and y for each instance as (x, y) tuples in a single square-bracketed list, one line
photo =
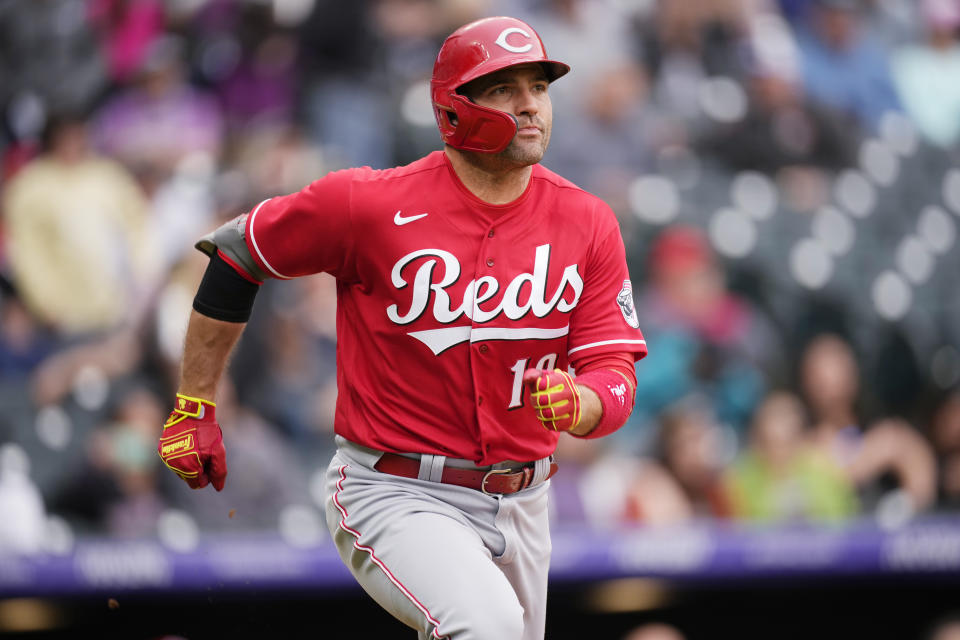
[(611, 396), (205, 353), (590, 411)]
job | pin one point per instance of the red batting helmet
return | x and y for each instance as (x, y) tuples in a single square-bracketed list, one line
[(472, 51)]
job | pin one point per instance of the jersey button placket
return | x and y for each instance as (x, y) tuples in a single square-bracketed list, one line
[(482, 349)]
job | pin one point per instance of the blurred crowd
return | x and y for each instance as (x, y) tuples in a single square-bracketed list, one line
[(786, 174)]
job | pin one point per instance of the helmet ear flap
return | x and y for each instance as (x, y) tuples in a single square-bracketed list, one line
[(480, 128)]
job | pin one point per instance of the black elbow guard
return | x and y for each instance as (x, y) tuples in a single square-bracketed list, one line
[(224, 294)]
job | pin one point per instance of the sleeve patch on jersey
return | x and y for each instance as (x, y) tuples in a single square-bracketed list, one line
[(625, 302)]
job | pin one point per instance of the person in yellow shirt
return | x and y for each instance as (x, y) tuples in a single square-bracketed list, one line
[(780, 477), (75, 229)]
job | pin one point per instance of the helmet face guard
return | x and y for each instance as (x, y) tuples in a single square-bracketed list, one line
[(478, 128), (470, 52)]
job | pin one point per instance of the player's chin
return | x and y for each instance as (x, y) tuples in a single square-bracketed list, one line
[(526, 151)]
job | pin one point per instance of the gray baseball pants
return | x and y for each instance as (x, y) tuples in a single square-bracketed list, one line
[(448, 561)]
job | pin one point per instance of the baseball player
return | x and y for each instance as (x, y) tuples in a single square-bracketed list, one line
[(483, 309)]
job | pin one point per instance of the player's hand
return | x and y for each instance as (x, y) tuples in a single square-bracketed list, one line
[(192, 444), (555, 397)]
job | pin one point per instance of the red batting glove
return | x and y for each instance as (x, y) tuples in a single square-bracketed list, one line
[(192, 444), (555, 397)]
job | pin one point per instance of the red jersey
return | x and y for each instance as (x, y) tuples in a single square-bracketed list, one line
[(444, 300)]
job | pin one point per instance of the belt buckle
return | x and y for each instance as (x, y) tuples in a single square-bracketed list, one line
[(486, 476)]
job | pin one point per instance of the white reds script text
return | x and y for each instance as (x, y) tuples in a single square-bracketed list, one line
[(480, 290)]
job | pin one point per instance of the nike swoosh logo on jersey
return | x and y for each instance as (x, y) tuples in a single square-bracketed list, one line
[(401, 220)]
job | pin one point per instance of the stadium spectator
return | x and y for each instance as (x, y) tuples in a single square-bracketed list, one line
[(80, 259), (260, 89), (844, 68), (115, 490), (75, 231), (126, 29), (919, 71), (601, 486), (23, 342), (893, 21), (709, 340), (945, 435), (779, 477), (133, 467), (946, 627), (782, 129), (868, 453), (160, 119), (654, 631), (695, 450)]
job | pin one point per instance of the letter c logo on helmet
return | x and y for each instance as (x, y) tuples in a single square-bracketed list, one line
[(502, 40), (474, 50)]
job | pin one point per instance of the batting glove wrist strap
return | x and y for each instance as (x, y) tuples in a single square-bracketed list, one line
[(190, 407), (555, 398), (192, 444)]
